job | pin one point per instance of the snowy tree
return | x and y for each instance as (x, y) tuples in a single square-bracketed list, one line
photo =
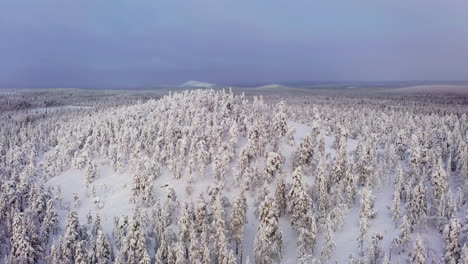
[(25, 247), (120, 230), (401, 242), (395, 210), (339, 165), (351, 183), (53, 256), (148, 192), (299, 201), (464, 255), (417, 206), (163, 251), (269, 240), (375, 249), (307, 240), (439, 181), (219, 226), (70, 238), (321, 183), (204, 247), (366, 211), (81, 253), (305, 152), (419, 252), (239, 218), (136, 241), (194, 253), (337, 216), (184, 227), (176, 254), (201, 213), (452, 245), (329, 242), (273, 166), (50, 222), (280, 195), (76, 200), (415, 156), (290, 136), (104, 253), (91, 173)]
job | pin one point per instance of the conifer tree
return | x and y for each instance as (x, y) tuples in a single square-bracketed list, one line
[(239, 219), (417, 206), (452, 245), (280, 194), (401, 242), (419, 252), (269, 240)]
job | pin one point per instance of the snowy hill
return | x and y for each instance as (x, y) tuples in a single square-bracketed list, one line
[(272, 86), (197, 84), (226, 178)]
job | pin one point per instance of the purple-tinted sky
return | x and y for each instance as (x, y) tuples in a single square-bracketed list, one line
[(111, 43)]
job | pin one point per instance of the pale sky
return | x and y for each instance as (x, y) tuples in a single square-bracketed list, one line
[(135, 43)]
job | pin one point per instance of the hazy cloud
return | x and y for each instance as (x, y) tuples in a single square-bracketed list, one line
[(150, 42)]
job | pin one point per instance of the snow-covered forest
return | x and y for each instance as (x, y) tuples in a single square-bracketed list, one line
[(215, 176)]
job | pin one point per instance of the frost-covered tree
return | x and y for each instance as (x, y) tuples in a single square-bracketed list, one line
[(219, 232), (329, 245), (280, 194), (91, 173), (273, 166), (304, 154), (417, 206), (321, 184), (104, 253), (70, 239), (25, 245), (395, 210), (452, 244), (136, 242), (415, 156), (194, 252), (351, 183), (269, 239), (299, 202), (366, 211), (375, 249), (401, 241), (204, 247), (419, 252), (440, 182), (119, 232), (239, 219), (307, 240), (76, 200), (50, 222), (464, 255), (339, 165), (201, 213), (148, 192), (81, 253), (184, 227), (164, 249)]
